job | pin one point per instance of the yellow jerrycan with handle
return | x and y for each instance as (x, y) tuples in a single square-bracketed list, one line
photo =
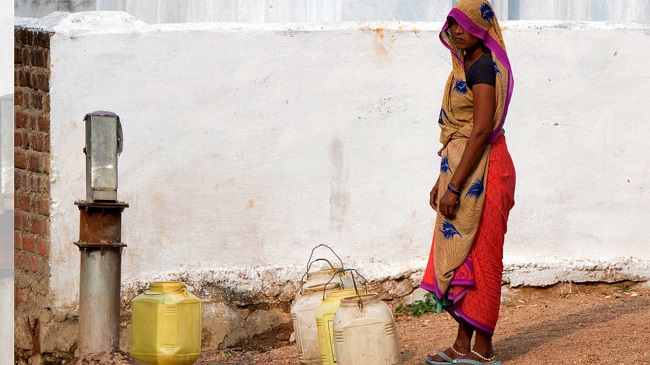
[(166, 325), (324, 321)]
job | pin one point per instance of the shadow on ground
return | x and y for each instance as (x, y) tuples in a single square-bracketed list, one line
[(529, 338)]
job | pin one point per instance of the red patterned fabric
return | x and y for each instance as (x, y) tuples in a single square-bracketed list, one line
[(476, 287)]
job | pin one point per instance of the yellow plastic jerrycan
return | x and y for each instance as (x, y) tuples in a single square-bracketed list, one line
[(324, 317), (166, 325)]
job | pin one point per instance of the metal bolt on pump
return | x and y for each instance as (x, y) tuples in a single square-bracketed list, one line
[(100, 237)]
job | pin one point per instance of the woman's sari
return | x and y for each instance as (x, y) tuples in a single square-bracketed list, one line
[(465, 264)]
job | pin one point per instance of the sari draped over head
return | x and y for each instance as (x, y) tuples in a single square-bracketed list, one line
[(454, 237)]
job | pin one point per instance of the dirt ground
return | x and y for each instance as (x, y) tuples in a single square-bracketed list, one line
[(563, 324)]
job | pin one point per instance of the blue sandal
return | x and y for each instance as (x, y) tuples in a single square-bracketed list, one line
[(442, 355), (473, 362)]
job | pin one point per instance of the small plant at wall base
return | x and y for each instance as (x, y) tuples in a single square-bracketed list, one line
[(419, 307), (625, 287)]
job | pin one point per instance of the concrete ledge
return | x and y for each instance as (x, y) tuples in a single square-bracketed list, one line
[(577, 271)]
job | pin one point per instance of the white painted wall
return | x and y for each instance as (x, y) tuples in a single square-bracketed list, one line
[(246, 145), (596, 10), (318, 11)]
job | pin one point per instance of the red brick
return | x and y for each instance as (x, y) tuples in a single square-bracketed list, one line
[(20, 160), (44, 120), (19, 180), (18, 257), (43, 39), (36, 100), (34, 182), (45, 163), (34, 265), (23, 79), (38, 162), (18, 139), (21, 120), (46, 144), (42, 247), (40, 81), (33, 118), (38, 226), (46, 103), (18, 222), (43, 205), (28, 243), (17, 240), (44, 184), (18, 97), (16, 299), (27, 263), (22, 202), (29, 37), (36, 141), (18, 55), (21, 103), (20, 36), (25, 222), (26, 55), (39, 58), (34, 162)]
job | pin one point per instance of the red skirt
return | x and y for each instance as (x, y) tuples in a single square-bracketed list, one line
[(476, 288)]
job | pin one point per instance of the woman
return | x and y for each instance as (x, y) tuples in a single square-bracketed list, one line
[(475, 189)]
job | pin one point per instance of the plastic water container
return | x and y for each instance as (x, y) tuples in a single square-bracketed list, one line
[(331, 274), (324, 318), (365, 332), (303, 316), (320, 277), (166, 325)]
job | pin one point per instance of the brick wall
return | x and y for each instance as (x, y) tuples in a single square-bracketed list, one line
[(31, 190)]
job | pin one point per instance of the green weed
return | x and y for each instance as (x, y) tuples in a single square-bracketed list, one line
[(419, 307), (625, 287)]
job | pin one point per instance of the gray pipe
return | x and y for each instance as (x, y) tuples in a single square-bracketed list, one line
[(99, 300)]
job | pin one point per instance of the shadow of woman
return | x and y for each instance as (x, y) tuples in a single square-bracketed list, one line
[(534, 336)]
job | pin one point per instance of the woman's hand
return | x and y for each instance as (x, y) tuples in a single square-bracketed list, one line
[(447, 204), (433, 195)]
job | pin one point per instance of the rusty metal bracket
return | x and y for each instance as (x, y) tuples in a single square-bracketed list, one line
[(100, 224), (86, 245)]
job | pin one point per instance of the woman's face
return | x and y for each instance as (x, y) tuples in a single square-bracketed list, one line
[(461, 38)]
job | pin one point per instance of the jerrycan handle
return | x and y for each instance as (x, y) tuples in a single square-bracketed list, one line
[(354, 282), (326, 246), (309, 267)]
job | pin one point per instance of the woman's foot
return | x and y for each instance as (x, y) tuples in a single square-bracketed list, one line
[(481, 358), (446, 356)]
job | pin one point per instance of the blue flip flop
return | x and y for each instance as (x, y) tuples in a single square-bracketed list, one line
[(442, 355), (473, 362)]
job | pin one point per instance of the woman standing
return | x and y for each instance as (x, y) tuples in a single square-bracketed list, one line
[(475, 189)]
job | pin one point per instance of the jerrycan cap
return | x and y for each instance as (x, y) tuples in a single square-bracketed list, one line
[(165, 287)]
